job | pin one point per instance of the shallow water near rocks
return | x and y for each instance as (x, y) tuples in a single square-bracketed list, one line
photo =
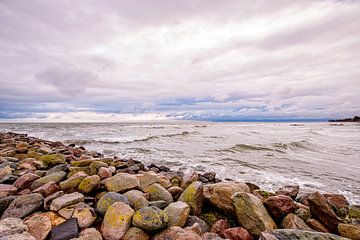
[(321, 157)]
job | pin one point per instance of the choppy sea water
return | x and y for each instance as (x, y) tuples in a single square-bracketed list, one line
[(321, 157)]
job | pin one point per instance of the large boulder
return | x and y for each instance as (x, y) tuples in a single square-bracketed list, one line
[(279, 206), (193, 195), (219, 194), (284, 234), (122, 182), (109, 198), (321, 210), (150, 219), (177, 233), (158, 192), (178, 213), (117, 221), (66, 200), (23, 206), (338, 202), (252, 214)]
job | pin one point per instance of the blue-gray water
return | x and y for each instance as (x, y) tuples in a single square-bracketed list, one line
[(318, 156)]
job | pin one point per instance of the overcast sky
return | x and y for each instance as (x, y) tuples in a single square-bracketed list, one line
[(193, 59)]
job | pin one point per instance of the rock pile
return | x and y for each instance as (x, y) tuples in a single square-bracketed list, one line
[(49, 190)]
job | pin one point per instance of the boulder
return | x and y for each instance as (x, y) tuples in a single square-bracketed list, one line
[(289, 190), (55, 218), (177, 213), (175, 192), (51, 197), (71, 184), (354, 211), (54, 177), (177, 233), (53, 159), (5, 173), (147, 179), (279, 206), (12, 226), (192, 220), (66, 200), (39, 226), (5, 202), (193, 195), (220, 226), (84, 214), (7, 190), (89, 234), (122, 182), (158, 192), (104, 173), (89, 184), (349, 231), (219, 194), (23, 206), (25, 180), (211, 236), (237, 233), (282, 234), (316, 225), (109, 198), (320, 209), (136, 199), (252, 214), (117, 221), (47, 189), (150, 219), (64, 231), (292, 221), (135, 233)]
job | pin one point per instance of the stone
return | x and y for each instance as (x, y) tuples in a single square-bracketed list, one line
[(84, 214), (147, 179), (117, 221), (150, 219), (220, 226), (55, 218), (67, 212), (89, 234), (109, 198), (252, 214), (19, 236), (321, 210), (54, 177), (39, 226), (66, 200), (192, 220), (104, 173), (5, 202), (65, 231), (196, 228), (211, 236), (292, 221), (137, 199), (7, 190), (237, 233), (177, 213), (283, 234), (349, 231), (122, 182), (5, 173), (160, 204), (289, 190), (71, 184), (57, 168), (11, 226), (157, 192), (219, 194), (23, 206), (135, 233), (89, 184), (316, 225), (210, 176), (175, 192), (338, 202), (303, 212), (25, 180), (177, 233), (47, 189), (51, 197), (354, 211), (193, 195), (279, 206), (53, 159)]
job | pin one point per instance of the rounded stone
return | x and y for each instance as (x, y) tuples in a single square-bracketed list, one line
[(109, 198), (150, 219)]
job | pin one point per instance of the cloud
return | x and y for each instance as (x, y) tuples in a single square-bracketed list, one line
[(189, 59)]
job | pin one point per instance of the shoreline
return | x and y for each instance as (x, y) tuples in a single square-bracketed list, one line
[(60, 183)]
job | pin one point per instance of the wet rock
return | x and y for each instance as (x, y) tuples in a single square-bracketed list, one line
[(84, 214), (281, 234), (89, 184), (252, 186), (25, 180), (122, 182), (189, 178), (66, 200), (290, 190), (65, 231), (109, 198), (150, 219), (279, 206), (219, 227), (5, 202), (23, 206), (252, 214), (53, 159), (47, 189), (323, 212), (175, 192), (116, 221), (39, 226), (193, 195), (54, 177), (349, 231), (219, 194), (338, 202), (177, 213), (177, 233), (292, 221), (7, 190), (135, 233), (316, 225), (157, 192), (192, 220), (237, 233), (89, 234)]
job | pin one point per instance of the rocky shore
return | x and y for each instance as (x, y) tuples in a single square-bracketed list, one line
[(49, 190)]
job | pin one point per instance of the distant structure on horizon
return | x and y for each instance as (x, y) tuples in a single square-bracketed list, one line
[(354, 119)]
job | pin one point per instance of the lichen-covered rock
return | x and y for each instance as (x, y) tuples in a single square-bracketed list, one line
[(177, 213), (137, 199), (109, 198), (354, 211), (54, 177), (337, 202), (279, 206), (292, 221), (23, 206), (89, 184), (66, 230), (193, 195), (135, 233), (219, 194), (71, 184), (282, 234), (5, 173), (349, 231), (117, 221), (147, 179), (66, 200), (53, 159), (158, 192), (39, 226), (122, 182), (150, 219), (252, 214), (177, 233)]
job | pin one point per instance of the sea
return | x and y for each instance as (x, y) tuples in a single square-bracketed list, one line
[(319, 156)]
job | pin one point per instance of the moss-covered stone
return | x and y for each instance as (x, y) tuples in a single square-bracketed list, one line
[(178, 213), (158, 192), (194, 197), (89, 184), (108, 199), (71, 184), (53, 159), (150, 219), (137, 199)]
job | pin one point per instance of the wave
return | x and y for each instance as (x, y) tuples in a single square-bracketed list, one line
[(297, 145), (246, 148)]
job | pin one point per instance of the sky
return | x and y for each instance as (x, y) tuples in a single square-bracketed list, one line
[(113, 60)]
